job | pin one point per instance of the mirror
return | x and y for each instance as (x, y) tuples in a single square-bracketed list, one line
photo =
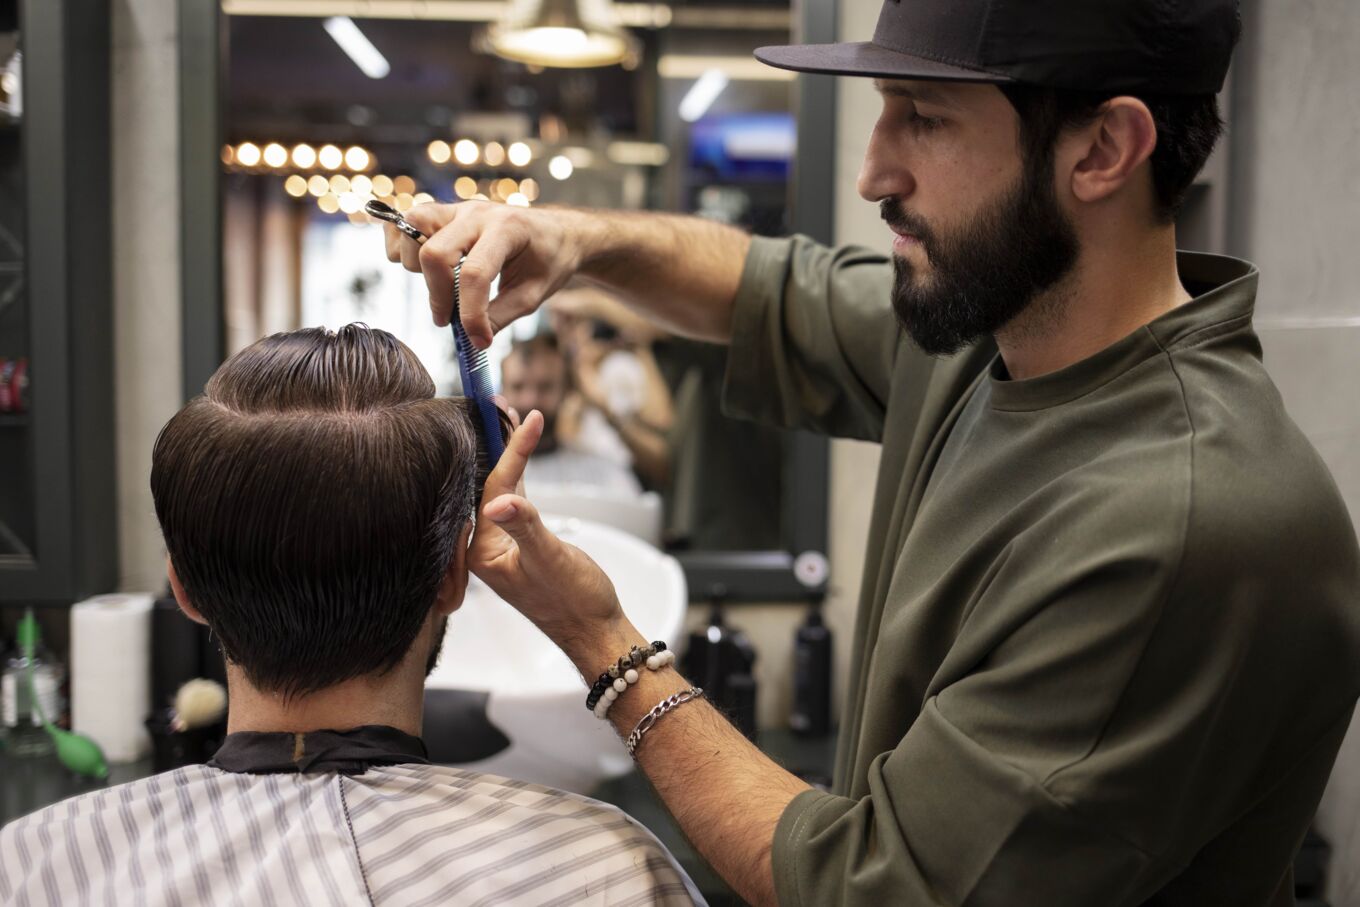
[(320, 112)]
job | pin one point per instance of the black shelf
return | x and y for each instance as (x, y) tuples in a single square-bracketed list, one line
[(58, 522)]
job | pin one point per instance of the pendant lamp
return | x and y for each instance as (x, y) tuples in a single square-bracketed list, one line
[(561, 33)]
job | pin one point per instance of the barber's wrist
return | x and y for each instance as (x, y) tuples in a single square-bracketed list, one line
[(603, 241), (594, 646)]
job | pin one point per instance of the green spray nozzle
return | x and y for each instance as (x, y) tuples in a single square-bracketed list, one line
[(77, 752)]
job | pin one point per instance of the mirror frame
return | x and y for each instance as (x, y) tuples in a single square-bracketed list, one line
[(796, 572)]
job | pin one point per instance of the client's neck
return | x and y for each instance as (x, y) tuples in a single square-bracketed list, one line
[(395, 699)]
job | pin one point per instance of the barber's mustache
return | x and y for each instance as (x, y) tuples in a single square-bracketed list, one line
[(903, 221)]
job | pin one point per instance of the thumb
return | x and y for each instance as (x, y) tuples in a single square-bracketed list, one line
[(521, 521)]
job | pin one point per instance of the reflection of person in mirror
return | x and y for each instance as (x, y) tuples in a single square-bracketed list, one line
[(535, 375), (621, 396)]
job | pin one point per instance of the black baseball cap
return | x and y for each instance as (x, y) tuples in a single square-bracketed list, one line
[(1155, 46)]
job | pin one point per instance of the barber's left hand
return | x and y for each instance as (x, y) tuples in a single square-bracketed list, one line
[(554, 584)]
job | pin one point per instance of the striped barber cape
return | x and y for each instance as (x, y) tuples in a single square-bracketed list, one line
[(404, 834)]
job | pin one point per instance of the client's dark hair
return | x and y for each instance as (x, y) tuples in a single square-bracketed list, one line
[(311, 499)]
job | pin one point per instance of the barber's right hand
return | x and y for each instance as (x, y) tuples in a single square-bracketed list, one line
[(553, 583), (535, 251)]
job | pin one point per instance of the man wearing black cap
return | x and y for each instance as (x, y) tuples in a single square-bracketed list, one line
[(1108, 642)]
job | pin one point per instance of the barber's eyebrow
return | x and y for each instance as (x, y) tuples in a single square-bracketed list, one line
[(914, 91)]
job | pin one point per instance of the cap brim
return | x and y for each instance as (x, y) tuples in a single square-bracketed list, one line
[(863, 58)]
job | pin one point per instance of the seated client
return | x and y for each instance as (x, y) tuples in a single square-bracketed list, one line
[(316, 503)]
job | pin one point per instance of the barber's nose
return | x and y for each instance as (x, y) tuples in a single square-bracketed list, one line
[(884, 173)]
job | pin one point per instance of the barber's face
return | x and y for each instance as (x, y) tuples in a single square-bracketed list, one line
[(537, 382), (978, 232)]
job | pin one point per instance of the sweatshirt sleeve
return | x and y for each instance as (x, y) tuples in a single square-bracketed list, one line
[(814, 339)]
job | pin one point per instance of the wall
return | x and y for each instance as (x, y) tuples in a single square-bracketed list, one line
[(145, 267), (1297, 196)]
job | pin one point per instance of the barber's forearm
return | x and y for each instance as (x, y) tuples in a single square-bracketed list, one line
[(726, 795), (681, 272)]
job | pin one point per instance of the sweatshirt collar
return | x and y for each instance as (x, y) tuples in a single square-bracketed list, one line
[(1225, 297)]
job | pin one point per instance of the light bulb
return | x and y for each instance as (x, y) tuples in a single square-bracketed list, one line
[(465, 152), (465, 187), (560, 167), (247, 154), (304, 156), (330, 157), (356, 158)]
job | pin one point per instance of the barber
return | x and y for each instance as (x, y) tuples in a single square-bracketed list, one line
[(1108, 644)]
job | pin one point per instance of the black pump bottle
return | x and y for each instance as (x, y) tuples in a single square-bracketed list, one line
[(811, 715)]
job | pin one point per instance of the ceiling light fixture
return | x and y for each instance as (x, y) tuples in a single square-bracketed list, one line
[(561, 33), (702, 94), (356, 44)]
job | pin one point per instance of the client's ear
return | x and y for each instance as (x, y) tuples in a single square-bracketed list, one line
[(454, 585), (181, 598)]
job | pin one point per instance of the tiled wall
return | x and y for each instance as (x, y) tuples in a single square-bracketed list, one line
[(1296, 214)]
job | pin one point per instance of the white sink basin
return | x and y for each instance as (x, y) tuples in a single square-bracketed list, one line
[(531, 693)]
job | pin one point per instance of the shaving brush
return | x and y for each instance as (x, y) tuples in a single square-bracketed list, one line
[(198, 703)]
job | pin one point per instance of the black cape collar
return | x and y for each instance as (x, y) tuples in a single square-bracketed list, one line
[(350, 752)]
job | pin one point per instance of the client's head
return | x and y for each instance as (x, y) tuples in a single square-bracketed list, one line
[(315, 503)]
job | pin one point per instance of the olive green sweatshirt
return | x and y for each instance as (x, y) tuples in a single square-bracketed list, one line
[(1109, 636)]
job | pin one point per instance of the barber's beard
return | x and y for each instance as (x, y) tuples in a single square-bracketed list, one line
[(987, 273)]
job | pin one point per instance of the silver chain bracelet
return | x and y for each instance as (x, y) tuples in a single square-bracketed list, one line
[(661, 708)]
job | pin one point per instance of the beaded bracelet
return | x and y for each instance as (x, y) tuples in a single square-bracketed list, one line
[(628, 675), (623, 673)]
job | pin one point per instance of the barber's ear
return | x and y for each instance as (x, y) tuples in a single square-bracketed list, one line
[(1111, 149), (454, 586), (181, 598)]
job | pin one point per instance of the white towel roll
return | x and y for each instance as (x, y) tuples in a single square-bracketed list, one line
[(111, 673)]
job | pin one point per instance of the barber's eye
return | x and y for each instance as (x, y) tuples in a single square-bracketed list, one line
[(923, 123)]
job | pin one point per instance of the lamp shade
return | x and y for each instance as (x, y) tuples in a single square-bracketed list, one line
[(561, 33)]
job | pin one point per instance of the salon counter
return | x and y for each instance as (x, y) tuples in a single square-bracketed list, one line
[(30, 784)]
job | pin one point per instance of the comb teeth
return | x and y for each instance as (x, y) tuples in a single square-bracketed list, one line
[(475, 372)]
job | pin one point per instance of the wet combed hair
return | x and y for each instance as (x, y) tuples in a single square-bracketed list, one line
[(1188, 127), (311, 499)]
